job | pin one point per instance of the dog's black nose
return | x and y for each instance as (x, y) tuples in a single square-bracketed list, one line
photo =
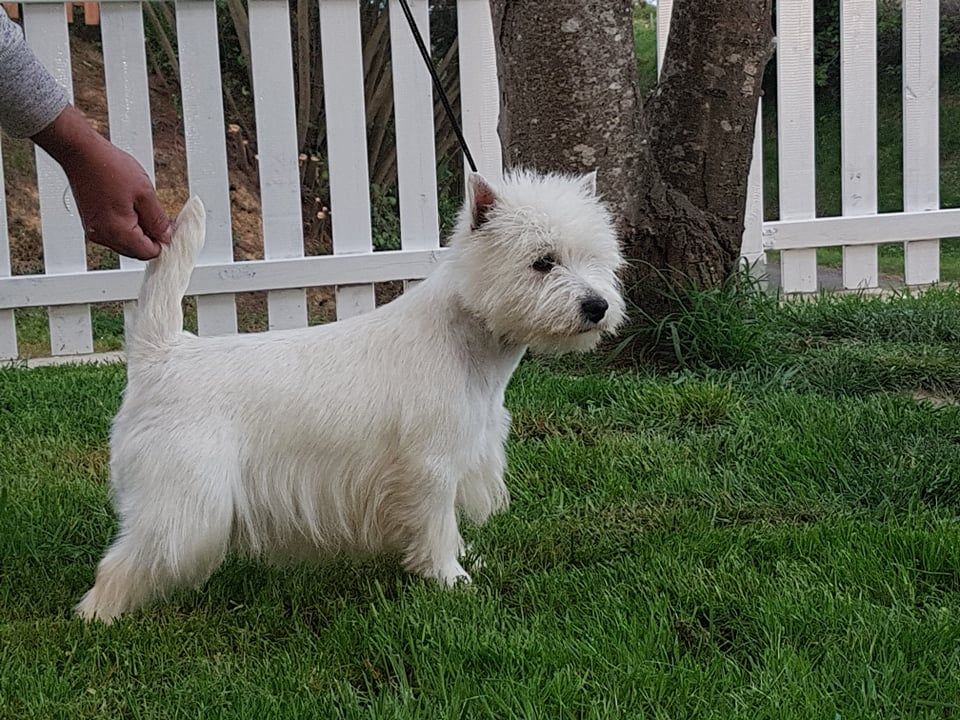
[(594, 308)]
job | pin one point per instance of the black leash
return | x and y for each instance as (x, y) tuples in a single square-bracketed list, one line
[(445, 101)]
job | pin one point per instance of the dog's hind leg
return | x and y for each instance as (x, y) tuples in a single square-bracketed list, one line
[(165, 542)]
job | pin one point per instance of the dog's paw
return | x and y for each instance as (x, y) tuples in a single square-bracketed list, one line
[(458, 581), (88, 610), (454, 576)]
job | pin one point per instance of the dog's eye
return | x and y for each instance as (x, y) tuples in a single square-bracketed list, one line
[(544, 264)]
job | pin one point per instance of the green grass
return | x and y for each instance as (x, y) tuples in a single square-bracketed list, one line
[(33, 330), (768, 532), (645, 43)]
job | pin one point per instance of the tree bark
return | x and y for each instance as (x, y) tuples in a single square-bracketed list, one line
[(674, 169)]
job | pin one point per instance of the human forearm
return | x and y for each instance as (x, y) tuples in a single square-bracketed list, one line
[(69, 139), (30, 98), (117, 203), (116, 200)]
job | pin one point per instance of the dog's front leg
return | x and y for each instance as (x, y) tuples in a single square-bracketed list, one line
[(434, 543)]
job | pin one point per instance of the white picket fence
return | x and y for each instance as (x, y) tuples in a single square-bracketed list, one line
[(67, 288), (798, 233)]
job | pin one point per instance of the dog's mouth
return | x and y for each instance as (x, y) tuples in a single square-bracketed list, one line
[(588, 328)]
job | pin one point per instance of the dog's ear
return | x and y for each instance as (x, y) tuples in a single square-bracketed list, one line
[(589, 182), (481, 198)]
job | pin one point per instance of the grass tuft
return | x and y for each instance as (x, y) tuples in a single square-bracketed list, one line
[(723, 327)]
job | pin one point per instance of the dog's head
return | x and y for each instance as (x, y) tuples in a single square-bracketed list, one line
[(537, 259)]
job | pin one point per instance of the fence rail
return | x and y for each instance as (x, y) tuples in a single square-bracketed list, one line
[(99, 286)]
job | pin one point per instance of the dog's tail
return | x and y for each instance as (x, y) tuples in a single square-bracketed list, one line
[(159, 313)]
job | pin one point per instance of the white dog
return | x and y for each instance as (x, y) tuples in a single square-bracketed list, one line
[(361, 436)]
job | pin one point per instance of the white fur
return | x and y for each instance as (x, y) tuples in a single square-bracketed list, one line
[(362, 436)]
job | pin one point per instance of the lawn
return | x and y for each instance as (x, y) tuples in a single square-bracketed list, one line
[(768, 532)]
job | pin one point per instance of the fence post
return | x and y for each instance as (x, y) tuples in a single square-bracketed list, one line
[(8, 327), (271, 57), (751, 248), (342, 55), (858, 132), (795, 135), (479, 85), (71, 332), (664, 14), (416, 144), (128, 96), (206, 149), (921, 132)]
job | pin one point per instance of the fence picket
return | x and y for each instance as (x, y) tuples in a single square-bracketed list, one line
[(272, 67), (795, 136), (63, 242), (416, 149), (204, 133), (751, 249), (346, 143), (128, 95), (858, 131), (921, 131), (8, 326), (479, 86), (664, 13)]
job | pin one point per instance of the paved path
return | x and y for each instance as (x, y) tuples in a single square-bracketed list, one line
[(828, 278)]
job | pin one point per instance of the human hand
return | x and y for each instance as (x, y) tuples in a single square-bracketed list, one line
[(117, 203)]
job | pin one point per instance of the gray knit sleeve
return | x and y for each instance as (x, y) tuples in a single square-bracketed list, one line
[(30, 99)]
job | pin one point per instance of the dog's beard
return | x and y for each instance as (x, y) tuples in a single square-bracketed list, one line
[(561, 344), (555, 340)]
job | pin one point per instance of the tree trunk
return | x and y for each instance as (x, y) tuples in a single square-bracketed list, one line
[(674, 169)]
